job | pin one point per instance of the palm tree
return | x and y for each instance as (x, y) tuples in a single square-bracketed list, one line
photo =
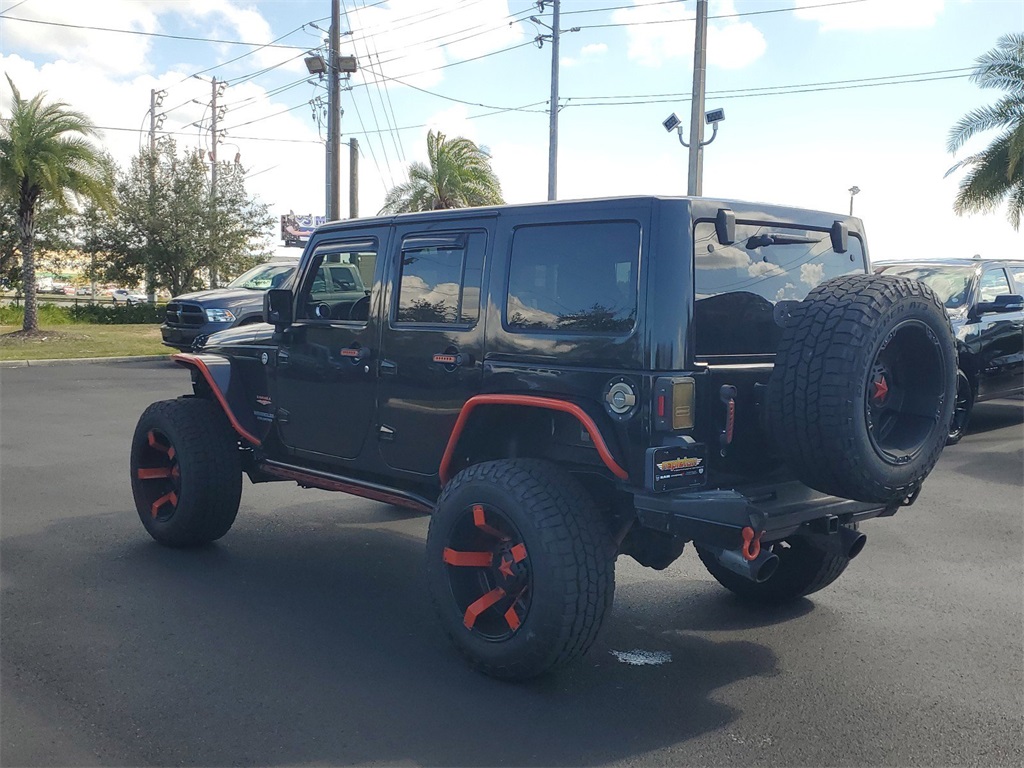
[(997, 172), (45, 155), (459, 176)]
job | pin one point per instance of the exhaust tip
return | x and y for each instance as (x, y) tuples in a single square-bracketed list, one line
[(767, 568), (857, 546)]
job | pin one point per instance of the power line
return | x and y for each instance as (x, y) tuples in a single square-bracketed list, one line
[(720, 16), (754, 92), (373, 112), (450, 98), (149, 34)]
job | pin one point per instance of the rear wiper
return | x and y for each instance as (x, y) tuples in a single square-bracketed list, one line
[(759, 241)]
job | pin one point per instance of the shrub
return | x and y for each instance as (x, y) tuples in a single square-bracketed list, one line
[(111, 314), (98, 314)]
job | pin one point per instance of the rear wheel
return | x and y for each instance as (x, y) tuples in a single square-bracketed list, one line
[(520, 567), (805, 567), (186, 472)]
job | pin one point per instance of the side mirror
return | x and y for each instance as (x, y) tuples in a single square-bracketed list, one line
[(1006, 302), (277, 307)]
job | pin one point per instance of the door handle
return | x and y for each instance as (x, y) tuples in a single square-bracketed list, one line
[(388, 368), (451, 360), (357, 354)]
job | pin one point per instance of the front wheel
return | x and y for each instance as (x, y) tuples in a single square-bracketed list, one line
[(520, 567), (186, 472)]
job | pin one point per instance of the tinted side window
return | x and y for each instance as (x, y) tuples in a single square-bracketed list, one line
[(737, 285), (439, 282), (993, 283), (334, 286), (577, 278)]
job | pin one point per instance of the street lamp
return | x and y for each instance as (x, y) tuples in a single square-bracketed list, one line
[(853, 191)]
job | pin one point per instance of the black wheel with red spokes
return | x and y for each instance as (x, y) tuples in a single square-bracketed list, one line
[(488, 572), (520, 567), (186, 472)]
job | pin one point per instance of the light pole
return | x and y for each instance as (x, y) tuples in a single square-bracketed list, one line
[(853, 191)]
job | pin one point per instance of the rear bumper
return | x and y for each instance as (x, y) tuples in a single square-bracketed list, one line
[(716, 517)]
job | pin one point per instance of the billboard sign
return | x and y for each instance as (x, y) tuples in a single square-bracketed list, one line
[(296, 228)]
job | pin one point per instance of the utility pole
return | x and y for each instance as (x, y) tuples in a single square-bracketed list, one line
[(213, 178), (553, 117), (554, 37), (334, 117), (694, 184), (156, 98), (353, 178)]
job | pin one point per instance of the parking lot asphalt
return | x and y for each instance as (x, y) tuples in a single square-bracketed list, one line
[(305, 635)]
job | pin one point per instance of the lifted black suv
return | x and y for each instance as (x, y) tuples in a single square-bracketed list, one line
[(561, 383)]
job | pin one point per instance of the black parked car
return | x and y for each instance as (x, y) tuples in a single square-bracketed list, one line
[(196, 315), (984, 300), (562, 383)]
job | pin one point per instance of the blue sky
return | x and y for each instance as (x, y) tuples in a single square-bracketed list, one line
[(796, 132)]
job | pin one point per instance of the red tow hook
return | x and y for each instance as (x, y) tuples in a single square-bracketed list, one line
[(751, 543)]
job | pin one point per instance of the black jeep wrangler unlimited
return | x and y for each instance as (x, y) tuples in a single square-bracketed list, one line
[(559, 384)]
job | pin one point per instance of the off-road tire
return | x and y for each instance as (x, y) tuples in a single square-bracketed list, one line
[(193, 443), (803, 569), (962, 410), (853, 339), (569, 556)]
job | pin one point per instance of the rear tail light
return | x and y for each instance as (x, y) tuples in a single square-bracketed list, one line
[(673, 403)]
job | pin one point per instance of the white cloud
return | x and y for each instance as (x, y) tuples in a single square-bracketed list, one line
[(658, 33), (398, 41), (874, 14), (594, 49)]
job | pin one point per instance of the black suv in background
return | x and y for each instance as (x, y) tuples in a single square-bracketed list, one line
[(562, 383), (196, 315), (985, 303)]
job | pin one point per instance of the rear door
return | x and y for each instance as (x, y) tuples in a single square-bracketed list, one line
[(432, 339)]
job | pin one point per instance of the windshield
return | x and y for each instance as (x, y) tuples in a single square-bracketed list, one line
[(263, 277), (950, 283)]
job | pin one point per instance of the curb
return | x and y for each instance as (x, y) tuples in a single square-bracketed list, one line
[(82, 360)]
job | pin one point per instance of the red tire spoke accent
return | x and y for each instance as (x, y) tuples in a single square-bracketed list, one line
[(171, 498), (154, 443), (468, 559), (518, 552), (480, 521), (155, 473), (170, 453), (512, 618), (481, 605)]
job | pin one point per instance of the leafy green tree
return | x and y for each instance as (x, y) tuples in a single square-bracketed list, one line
[(459, 175), (997, 172), (46, 156), (167, 229)]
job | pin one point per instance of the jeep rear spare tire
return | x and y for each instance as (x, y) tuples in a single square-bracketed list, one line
[(862, 393)]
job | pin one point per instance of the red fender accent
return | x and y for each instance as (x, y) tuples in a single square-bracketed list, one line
[(536, 402), (193, 361)]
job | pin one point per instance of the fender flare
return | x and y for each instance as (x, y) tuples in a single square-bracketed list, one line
[(216, 371), (533, 401)]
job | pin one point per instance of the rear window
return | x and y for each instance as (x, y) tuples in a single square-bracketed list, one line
[(737, 286), (574, 277)]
